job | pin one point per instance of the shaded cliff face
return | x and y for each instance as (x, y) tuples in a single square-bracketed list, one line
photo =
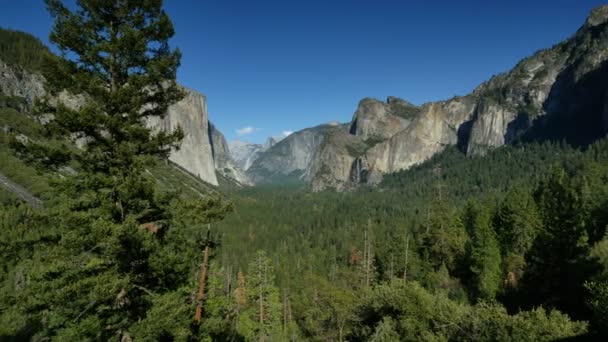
[(289, 157), (224, 164), (331, 164), (558, 93)]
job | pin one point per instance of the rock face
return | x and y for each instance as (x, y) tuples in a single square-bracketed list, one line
[(378, 120), (331, 166), (289, 157), (224, 164), (18, 82), (195, 153), (558, 93), (202, 151), (245, 153)]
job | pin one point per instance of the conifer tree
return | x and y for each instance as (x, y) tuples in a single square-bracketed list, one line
[(443, 236), (484, 255), (558, 261), (262, 319), (114, 257), (518, 223), (118, 70)]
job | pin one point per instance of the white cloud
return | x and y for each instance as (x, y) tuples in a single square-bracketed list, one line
[(286, 133), (245, 131)]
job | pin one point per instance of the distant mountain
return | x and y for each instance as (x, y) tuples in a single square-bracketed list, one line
[(559, 93), (289, 157), (223, 161), (245, 153)]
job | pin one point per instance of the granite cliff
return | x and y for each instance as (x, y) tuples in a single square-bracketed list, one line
[(203, 151), (222, 158), (195, 153), (558, 93), (290, 157)]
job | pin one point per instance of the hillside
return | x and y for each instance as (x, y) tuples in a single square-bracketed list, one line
[(168, 176), (21, 84)]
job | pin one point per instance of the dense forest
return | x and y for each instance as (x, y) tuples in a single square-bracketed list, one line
[(22, 50), (511, 246)]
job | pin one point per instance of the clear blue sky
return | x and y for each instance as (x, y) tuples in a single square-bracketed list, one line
[(285, 65)]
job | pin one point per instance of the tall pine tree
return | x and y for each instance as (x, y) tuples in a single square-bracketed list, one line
[(117, 70), (120, 250)]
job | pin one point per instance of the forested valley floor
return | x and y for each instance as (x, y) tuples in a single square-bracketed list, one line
[(511, 246)]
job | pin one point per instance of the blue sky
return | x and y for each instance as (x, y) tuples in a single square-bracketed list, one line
[(268, 67)]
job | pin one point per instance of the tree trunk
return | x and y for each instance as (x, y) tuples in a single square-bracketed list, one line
[(201, 287), (284, 312), (407, 245), (261, 289), (365, 262)]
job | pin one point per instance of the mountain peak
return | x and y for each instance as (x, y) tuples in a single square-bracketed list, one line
[(598, 16), (271, 141)]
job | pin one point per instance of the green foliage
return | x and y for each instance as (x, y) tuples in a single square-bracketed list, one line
[(443, 235), (408, 311), (491, 322), (13, 102), (557, 262), (112, 253), (484, 253), (117, 255), (519, 221), (599, 304), (121, 60), (416, 314), (22, 50), (261, 319), (326, 311), (499, 171)]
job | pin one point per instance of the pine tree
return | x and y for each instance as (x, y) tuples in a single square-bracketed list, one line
[(115, 256), (518, 220), (484, 255), (262, 319), (118, 64), (517, 223), (443, 236), (558, 261)]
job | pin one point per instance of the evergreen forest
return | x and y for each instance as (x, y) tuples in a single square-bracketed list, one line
[(510, 246)]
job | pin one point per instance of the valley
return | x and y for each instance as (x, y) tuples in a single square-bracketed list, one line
[(124, 210)]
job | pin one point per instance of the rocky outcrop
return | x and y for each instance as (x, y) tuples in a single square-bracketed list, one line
[(331, 166), (376, 120), (15, 81), (224, 164), (558, 93), (340, 162), (598, 16), (289, 157), (436, 127)]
